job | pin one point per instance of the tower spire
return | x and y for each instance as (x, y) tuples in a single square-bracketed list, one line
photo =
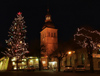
[(47, 9), (48, 16)]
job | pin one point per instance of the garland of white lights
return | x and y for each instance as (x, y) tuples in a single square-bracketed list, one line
[(17, 44), (84, 43)]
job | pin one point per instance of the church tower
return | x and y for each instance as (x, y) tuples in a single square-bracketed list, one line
[(49, 36)]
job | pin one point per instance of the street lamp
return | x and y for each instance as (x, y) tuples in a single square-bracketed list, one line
[(69, 52)]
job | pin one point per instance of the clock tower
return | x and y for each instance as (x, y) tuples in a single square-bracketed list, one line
[(48, 36)]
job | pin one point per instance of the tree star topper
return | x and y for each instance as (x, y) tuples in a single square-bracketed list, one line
[(19, 13)]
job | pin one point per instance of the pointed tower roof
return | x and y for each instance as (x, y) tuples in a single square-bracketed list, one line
[(48, 21)]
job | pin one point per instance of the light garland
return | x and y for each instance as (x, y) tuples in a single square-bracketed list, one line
[(94, 41), (16, 43)]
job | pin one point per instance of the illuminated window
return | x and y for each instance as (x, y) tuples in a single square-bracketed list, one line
[(44, 62), (13, 63), (36, 59), (13, 59), (15, 68)]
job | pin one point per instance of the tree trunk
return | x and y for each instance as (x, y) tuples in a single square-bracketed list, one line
[(58, 64), (90, 51), (17, 64), (39, 64), (10, 67), (40, 59), (91, 64), (27, 62)]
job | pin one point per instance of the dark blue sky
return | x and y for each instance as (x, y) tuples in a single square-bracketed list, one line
[(67, 15)]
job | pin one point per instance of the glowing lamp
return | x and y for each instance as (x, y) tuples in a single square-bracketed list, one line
[(22, 62), (43, 62), (20, 41), (13, 63), (53, 63), (15, 68), (15, 50), (69, 52), (31, 60), (14, 59), (27, 51), (30, 57), (15, 27), (36, 59), (98, 45)]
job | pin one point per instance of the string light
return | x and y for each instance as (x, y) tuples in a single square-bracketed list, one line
[(20, 41), (16, 40), (93, 40)]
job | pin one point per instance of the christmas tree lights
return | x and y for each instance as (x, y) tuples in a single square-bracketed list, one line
[(17, 46)]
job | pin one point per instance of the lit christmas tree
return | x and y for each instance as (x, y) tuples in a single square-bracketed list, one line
[(16, 43)]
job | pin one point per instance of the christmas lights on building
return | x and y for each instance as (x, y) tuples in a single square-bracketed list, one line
[(17, 46)]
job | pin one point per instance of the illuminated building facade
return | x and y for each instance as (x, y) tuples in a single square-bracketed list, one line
[(25, 62), (48, 36), (80, 57)]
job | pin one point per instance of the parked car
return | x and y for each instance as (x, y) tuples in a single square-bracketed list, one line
[(68, 68), (80, 68), (30, 68)]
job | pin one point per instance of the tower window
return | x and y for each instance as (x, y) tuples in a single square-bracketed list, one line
[(54, 34), (48, 34), (51, 34)]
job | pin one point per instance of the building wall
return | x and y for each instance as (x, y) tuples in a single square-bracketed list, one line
[(80, 57), (96, 60), (49, 39)]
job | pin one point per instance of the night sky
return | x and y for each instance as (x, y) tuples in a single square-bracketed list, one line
[(67, 16)]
